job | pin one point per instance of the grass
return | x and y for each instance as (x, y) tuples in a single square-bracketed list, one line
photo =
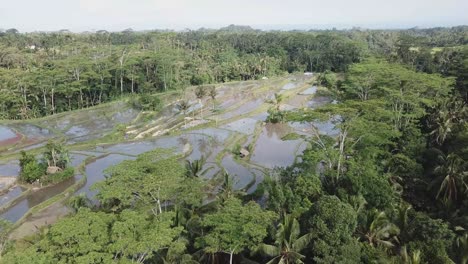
[(291, 136)]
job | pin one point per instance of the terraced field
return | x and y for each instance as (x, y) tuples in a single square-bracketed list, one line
[(108, 134)]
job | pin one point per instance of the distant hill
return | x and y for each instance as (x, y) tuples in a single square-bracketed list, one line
[(237, 29)]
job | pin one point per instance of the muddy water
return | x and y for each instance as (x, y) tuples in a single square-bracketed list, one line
[(218, 134), (201, 145), (245, 126), (36, 197), (95, 171), (318, 101), (289, 86), (244, 109), (137, 148), (270, 151), (32, 131), (206, 142), (259, 176), (77, 159), (260, 117), (309, 91), (212, 170), (11, 168), (10, 195), (6, 133), (242, 176), (326, 128)]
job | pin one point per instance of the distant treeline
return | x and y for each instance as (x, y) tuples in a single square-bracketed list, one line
[(47, 73)]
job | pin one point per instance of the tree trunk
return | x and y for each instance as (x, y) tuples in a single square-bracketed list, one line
[(121, 82), (52, 101), (100, 90), (45, 99), (132, 83)]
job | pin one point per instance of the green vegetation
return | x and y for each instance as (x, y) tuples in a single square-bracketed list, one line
[(275, 114), (388, 186), (52, 168), (146, 102), (47, 73)]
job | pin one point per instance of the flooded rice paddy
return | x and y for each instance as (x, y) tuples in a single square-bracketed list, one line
[(6, 133)]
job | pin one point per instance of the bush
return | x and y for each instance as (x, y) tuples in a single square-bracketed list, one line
[(236, 149), (200, 92), (145, 102), (275, 116), (31, 170), (59, 176)]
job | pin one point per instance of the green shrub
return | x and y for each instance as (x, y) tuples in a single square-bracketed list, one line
[(59, 176), (275, 116), (31, 170), (145, 102), (236, 149)]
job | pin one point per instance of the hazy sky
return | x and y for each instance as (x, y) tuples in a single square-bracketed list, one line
[(80, 15)]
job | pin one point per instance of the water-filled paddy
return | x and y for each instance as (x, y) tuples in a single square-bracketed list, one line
[(36, 197), (270, 151), (6, 133), (10, 194), (242, 176), (11, 168), (244, 125), (95, 171)]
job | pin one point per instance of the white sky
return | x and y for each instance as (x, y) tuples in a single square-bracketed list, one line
[(116, 15)]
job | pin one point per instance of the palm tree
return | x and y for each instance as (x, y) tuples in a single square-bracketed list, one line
[(194, 168), (200, 92), (227, 188), (183, 106), (402, 218), (406, 258), (288, 244), (449, 113), (462, 247), (276, 102), (213, 94), (379, 230), (453, 175)]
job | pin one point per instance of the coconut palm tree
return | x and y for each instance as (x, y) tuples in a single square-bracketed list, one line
[(288, 243), (378, 230), (462, 248), (276, 101), (183, 106), (406, 258), (200, 92), (452, 177), (194, 168), (449, 113), (213, 94), (402, 219), (227, 188)]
